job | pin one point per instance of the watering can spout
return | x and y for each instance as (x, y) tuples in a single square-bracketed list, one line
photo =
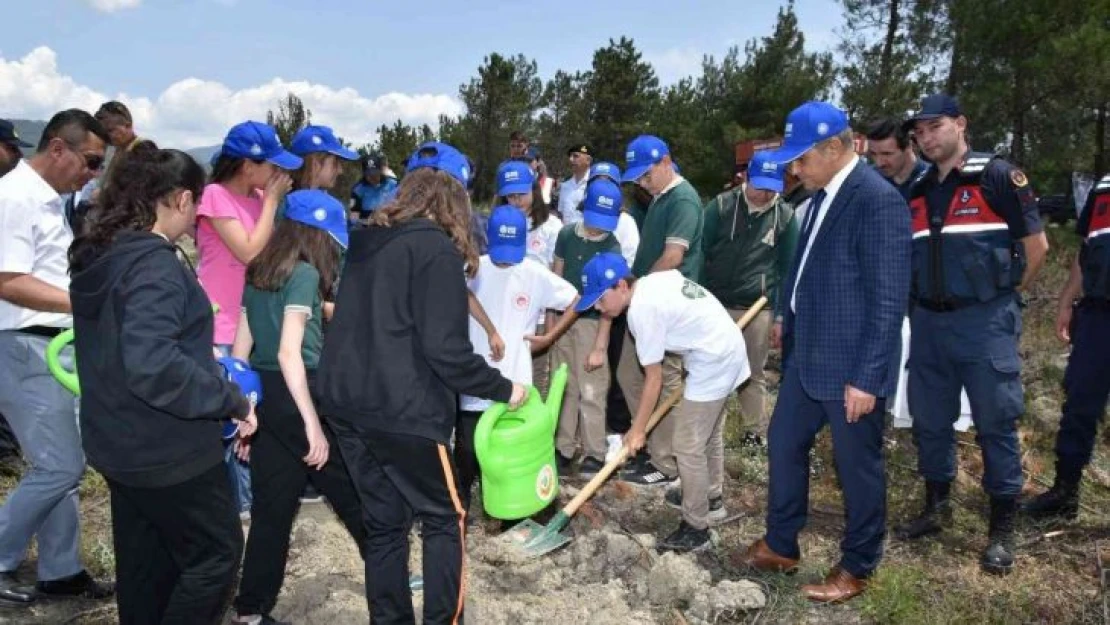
[(554, 401)]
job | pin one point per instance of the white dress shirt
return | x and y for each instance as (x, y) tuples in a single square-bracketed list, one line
[(571, 194), (34, 240), (830, 190)]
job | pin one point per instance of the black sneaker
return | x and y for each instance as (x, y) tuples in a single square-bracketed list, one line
[(13, 592), (590, 466), (562, 463), (686, 539), (717, 512), (311, 495), (647, 475), (80, 585)]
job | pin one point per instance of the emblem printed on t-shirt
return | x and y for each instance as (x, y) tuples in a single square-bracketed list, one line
[(692, 290), (521, 301)]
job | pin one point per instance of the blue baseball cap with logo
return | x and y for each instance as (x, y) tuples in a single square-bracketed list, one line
[(600, 274), (514, 177), (443, 157), (258, 142), (765, 174), (318, 209), (602, 207), (507, 232), (311, 139), (643, 152), (806, 126), (605, 169), (249, 382)]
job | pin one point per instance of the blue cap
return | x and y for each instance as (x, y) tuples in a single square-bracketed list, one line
[(514, 177), (806, 126), (934, 106), (312, 139), (442, 157), (605, 168), (602, 273), (258, 142), (765, 174), (532, 154), (507, 232), (602, 206), (643, 152), (318, 209), (249, 383)]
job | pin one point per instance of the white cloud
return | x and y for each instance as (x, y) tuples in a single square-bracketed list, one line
[(674, 64), (111, 6), (194, 112)]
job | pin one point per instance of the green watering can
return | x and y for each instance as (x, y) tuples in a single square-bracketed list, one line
[(516, 450), (64, 376)]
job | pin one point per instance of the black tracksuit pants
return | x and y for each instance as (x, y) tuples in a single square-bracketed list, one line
[(400, 477), (177, 550), (465, 457), (278, 477)]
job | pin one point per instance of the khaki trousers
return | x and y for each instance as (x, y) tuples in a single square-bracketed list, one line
[(582, 419), (700, 452), (754, 416), (631, 378)]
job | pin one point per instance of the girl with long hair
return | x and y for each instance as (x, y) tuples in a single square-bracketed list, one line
[(395, 358), (281, 333), (234, 222), (153, 397)]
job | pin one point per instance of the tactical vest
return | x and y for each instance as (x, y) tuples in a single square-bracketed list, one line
[(964, 254), (1094, 256)]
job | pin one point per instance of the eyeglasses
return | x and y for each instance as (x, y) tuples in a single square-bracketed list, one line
[(93, 162)]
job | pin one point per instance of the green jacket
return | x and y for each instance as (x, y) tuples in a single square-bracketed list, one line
[(747, 255)]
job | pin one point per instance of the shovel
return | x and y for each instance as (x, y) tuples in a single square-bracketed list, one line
[(532, 540)]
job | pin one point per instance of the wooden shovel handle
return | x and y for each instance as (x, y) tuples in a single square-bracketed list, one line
[(661, 411)]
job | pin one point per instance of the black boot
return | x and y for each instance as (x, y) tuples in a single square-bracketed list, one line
[(936, 514), (998, 559), (1061, 502)]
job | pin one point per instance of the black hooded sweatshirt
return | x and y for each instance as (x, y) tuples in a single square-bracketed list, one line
[(152, 394), (398, 350)]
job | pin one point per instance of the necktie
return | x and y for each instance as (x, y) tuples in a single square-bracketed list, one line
[(811, 216)]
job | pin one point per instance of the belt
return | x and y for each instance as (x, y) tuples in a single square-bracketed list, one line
[(947, 305), (43, 331)]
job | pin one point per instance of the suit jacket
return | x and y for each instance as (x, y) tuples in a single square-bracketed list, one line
[(853, 292)]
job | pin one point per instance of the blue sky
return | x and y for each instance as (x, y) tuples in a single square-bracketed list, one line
[(190, 68)]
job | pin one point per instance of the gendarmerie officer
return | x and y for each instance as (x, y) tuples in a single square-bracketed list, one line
[(1087, 379), (977, 242)]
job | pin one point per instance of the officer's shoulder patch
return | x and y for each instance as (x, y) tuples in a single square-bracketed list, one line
[(1018, 178)]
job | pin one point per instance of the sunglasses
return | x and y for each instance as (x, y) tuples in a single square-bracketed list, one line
[(94, 162)]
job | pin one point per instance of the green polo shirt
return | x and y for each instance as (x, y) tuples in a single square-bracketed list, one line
[(266, 312), (674, 216), (575, 251)]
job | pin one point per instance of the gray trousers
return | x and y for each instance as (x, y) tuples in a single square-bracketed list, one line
[(43, 416)]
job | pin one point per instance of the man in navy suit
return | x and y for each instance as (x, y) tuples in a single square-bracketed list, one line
[(842, 305)]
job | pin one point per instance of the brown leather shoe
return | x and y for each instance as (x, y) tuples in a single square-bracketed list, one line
[(839, 585), (761, 558)]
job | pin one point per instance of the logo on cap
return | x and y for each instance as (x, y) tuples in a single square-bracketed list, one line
[(316, 140), (512, 175), (654, 153), (610, 274), (789, 128), (630, 155), (507, 231), (465, 171), (256, 149), (607, 202), (769, 166), (822, 129), (320, 214)]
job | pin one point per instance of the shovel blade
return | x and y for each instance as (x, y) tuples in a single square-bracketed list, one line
[(529, 539)]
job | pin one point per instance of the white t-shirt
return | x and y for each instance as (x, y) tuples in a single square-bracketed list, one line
[(669, 313), (541, 241), (34, 239), (571, 194), (514, 298), (628, 235)]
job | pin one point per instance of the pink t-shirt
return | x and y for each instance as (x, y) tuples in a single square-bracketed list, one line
[(221, 274)]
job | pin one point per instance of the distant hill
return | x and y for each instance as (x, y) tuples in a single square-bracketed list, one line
[(30, 130)]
